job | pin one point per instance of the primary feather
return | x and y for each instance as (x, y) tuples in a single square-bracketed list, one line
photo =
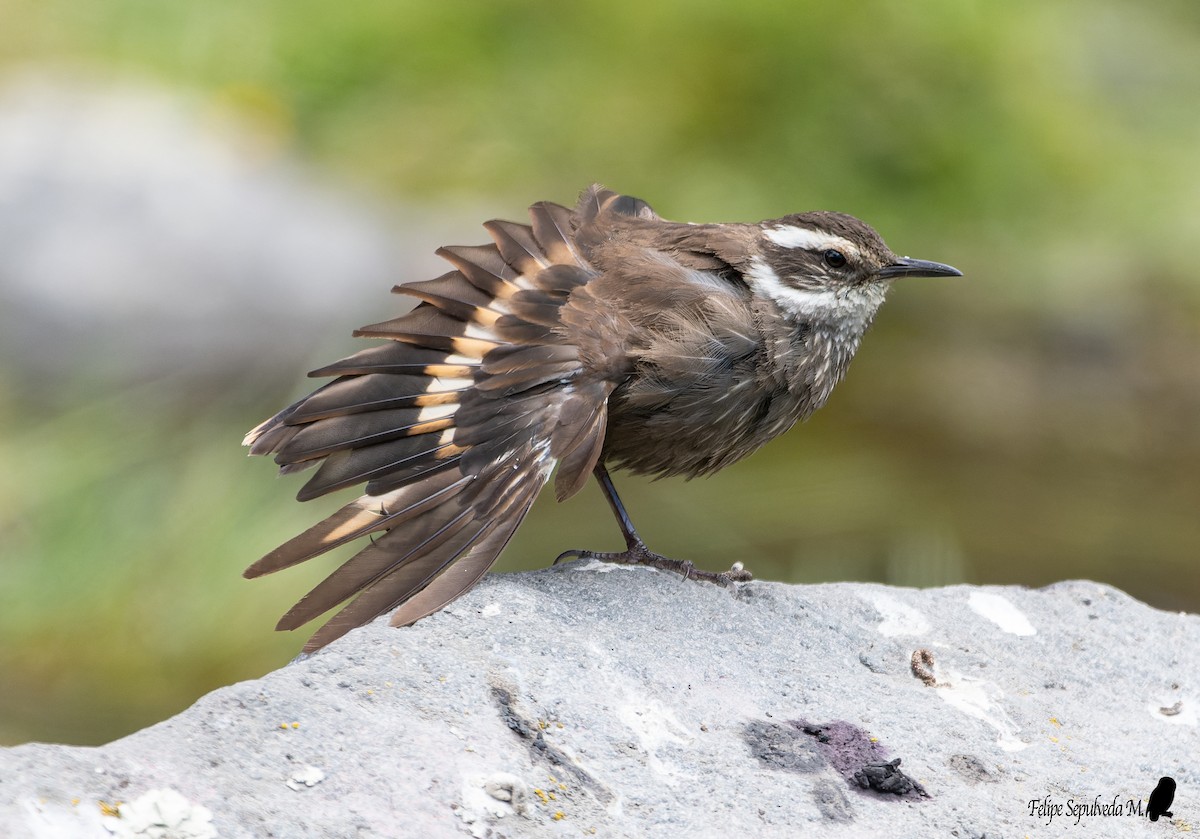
[(454, 425)]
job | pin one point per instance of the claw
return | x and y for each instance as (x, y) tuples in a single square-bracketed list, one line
[(638, 554), (574, 554)]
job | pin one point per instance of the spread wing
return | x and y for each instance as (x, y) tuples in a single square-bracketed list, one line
[(454, 425)]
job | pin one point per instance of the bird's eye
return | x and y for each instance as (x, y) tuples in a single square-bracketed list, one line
[(835, 259)]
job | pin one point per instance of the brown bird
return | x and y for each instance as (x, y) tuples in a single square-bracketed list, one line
[(599, 336)]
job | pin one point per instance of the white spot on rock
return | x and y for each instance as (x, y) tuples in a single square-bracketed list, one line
[(1177, 711), (309, 776), (898, 618), (656, 727), (490, 610), (162, 814), (1000, 611), (509, 788), (969, 696), (488, 798)]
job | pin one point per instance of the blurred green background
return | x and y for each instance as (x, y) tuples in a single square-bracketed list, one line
[(1038, 420)]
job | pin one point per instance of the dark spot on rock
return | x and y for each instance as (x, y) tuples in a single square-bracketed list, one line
[(861, 761), (972, 768), (831, 801), (538, 746), (782, 747), (511, 718), (885, 776), (815, 731), (802, 746), (871, 664)]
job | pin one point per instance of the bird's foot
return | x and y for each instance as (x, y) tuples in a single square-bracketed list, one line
[(638, 554)]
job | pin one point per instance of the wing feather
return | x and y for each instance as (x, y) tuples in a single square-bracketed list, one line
[(454, 424)]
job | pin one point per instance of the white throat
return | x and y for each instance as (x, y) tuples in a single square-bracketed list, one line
[(851, 308)]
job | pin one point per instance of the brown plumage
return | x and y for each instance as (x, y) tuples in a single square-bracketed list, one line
[(599, 335)]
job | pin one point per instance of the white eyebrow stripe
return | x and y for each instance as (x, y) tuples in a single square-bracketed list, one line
[(789, 236)]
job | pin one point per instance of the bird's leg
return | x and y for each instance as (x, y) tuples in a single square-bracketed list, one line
[(636, 552)]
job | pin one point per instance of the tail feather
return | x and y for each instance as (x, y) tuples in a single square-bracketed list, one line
[(402, 564), (460, 572), (452, 294), (398, 357), (561, 279), (484, 268), (514, 357), (512, 382), (269, 435), (581, 453), (402, 461), (428, 326), (517, 246), (378, 596), (417, 472), (483, 421), (521, 331), (553, 229), (513, 369), (362, 516), (454, 424), (324, 437), (386, 557), (536, 306), (377, 392), (454, 579)]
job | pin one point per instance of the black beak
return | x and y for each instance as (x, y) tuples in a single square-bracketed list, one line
[(908, 267)]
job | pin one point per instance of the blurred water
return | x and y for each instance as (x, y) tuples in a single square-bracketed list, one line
[(144, 233), (167, 277)]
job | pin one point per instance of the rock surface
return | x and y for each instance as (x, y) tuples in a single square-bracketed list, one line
[(593, 700)]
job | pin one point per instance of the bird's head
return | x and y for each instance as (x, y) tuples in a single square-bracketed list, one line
[(832, 267)]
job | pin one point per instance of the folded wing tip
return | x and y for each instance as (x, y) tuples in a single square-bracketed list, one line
[(259, 568), (253, 434)]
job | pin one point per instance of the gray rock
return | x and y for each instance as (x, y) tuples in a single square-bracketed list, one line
[(570, 702)]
